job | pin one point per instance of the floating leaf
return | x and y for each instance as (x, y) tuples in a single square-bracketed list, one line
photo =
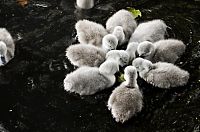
[(135, 12), (121, 78), (23, 3)]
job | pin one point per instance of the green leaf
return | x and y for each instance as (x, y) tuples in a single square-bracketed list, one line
[(135, 12), (121, 78)]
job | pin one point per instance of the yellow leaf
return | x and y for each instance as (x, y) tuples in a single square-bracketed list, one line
[(121, 78), (135, 12)]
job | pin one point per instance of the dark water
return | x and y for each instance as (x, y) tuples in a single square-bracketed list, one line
[(31, 85)]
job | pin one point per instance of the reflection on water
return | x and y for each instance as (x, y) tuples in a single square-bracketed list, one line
[(31, 89)]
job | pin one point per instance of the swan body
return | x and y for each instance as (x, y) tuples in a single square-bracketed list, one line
[(124, 19), (85, 55), (89, 32), (89, 80), (161, 74), (126, 100), (168, 50), (89, 55), (7, 47), (149, 31)]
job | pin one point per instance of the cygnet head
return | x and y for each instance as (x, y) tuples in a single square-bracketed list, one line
[(119, 33), (3, 52), (137, 63), (109, 67), (124, 58), (118, 55), (85, 4), (142, 64), (145, 49), (130, 71), (147, 65), (109, 42)]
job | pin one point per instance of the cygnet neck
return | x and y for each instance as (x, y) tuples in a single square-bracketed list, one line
[(148, 66), (131, 82), (131, 50), (153, 52), (104, 49)]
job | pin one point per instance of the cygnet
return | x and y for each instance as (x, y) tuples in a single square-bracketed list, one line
[(124, 19), (85, 4), (161, 74), (89, 32), (7, 47), (126, 100), (85, 55), (89, 55), (119, 56), (149, 31), (109, 42), (119, 33), (89, 80), (168, 50)]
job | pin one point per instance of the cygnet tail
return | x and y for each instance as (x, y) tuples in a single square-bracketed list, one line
[(68, 84), (185, 78), (120, 114), (74, 54)]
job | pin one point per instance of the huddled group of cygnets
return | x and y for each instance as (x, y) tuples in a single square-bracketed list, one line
[(98, 60), (148, 54)]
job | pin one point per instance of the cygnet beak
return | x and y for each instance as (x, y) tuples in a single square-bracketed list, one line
[(142, 55), (118, 69), (3, 59), (112, 49), (109, 50)]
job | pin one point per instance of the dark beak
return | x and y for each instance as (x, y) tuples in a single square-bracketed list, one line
[(3, 59), (142, 55), (110, 49), (136, 54)]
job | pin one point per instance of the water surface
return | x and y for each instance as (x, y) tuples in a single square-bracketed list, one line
[(31, 85)]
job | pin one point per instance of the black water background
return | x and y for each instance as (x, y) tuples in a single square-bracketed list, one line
[(31, 85)]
